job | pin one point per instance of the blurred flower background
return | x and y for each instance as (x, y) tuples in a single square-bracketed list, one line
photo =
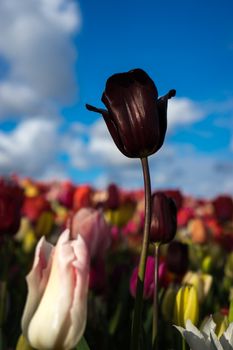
[(56, 55), (59, 168)]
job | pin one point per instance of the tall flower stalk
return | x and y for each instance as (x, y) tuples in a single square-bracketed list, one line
[(137, 121), (163, 230), (155, 298), (137, 316)]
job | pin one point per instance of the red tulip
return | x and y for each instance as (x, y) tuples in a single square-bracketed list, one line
[(11, 200)]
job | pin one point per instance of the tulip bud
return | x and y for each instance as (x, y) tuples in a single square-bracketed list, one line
[(207, 264), (198, 231), (135, 117), (113, 199), (44, 224), (11, 200), (223, 206), (56, 308), (201, 281), (82, 197), (222, 323), (91, 225), (177, 257), (168, 302), (119, 217), (163, 220), (149, 278), (186, 306)]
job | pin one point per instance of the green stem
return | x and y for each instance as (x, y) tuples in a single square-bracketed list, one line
[(156, 299), (183, 344), (137, 316)]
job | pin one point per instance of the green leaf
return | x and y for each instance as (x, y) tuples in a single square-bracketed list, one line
[(82, 345), (115, 319), (230, 317)]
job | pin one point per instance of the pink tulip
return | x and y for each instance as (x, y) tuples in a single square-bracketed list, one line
[(149, 278), (56, 308), (91, 225)]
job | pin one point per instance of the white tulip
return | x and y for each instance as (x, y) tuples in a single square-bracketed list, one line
[(207, 339), (56, 307)]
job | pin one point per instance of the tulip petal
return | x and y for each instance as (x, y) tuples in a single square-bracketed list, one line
[(215, 342), (78, 311), (193, 337), (37, 280), (52, 320), (208, 327), (226, 339)]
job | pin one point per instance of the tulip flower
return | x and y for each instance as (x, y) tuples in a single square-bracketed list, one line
[(91, 225), (198, 231), (120, 216), (56, 308), (163, 221), (135, 117), (82, 197), (186, 306), (11, 200), (113, 197), (33, 207), (149, 283), (168, 302), (177, 257), (202, 282), (207, 339), (223, 207)]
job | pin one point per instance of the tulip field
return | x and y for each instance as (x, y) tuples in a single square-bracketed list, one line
[(80, 248)]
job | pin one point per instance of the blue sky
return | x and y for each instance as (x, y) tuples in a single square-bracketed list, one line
[(56, 55)]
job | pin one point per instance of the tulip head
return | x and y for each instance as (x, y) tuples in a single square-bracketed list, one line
[(91, 225), (135, 117), (163, 220), (11, 200), (223, 207), (202, 282), (177, 257), (113, 197), (206, 338), (149, 283), (186, 306), (56, 306)]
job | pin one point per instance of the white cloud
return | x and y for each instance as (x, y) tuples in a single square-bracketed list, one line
[(183, 111), (36, 43), (29, 148)]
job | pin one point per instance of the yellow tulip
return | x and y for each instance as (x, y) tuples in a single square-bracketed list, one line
[(221, 323), (119, 217), (44, 224), (29, 241), (201, 281), (186, 306)]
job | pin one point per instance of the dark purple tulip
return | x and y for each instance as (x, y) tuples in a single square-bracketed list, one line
[(163, 219), (113, 199), (11, 201), (177, 257), (135, 117)]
